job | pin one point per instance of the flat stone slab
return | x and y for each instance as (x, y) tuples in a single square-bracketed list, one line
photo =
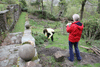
[(2, 12), (28, 37), (8, 55), (13, 38)]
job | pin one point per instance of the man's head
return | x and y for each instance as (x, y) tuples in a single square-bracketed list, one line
[(76, 17)]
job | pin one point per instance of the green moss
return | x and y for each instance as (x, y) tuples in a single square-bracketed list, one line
[(35, 58), (17, 62), (25, 43)]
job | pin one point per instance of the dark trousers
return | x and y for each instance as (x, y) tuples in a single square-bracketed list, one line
[(76, 51), (48, 34)]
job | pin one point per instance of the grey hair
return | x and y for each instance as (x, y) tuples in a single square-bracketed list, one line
[(76, 17)]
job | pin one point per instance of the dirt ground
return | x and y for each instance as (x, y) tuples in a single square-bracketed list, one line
[(46, 56)]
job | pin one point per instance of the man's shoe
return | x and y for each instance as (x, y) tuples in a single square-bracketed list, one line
[(79, 60), (69, 59)]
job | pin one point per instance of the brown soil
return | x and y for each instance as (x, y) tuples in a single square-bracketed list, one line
[(46, 56)]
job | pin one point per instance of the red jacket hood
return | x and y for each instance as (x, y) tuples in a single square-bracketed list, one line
[(79, 27)]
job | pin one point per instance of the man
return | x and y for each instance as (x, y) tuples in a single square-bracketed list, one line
[(75, 30), (49, 33)]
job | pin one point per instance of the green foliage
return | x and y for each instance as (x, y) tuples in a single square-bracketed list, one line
[(44, 15), (91, 28), (9, 1), (23, 5), (63, 6), (3, 7), (70, 11), (39, 38), (31, 9), (35, 3), (19, 27)]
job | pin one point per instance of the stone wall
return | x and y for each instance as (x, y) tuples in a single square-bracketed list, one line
[(9, 17)]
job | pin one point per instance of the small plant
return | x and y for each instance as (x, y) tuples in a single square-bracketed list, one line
[(39, 38), (14, 66), (2, 33)]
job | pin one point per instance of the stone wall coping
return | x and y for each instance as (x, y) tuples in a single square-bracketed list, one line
[(2, 12)]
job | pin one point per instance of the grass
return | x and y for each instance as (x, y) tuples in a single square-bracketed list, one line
[(20, 25), (60, 40)]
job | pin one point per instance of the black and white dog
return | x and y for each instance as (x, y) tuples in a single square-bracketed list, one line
[(49, 33)]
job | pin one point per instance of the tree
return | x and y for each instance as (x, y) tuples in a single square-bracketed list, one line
[(82, 8), (52, 6), (63, 6), (42, 6), (38, 1), (98, 8)]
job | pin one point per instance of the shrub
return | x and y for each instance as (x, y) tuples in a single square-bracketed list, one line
[(23, 5), (44, 15), (91, 29), (30, 9), (39, 38)]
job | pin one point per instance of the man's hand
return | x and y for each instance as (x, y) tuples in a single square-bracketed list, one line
[(68, 24)]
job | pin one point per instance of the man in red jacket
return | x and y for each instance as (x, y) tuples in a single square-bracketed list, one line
[(75, 30)]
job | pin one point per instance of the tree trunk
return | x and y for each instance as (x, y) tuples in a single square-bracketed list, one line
[(52, 6), (98, 8), (38, 4), (82, 9), (42, 6)]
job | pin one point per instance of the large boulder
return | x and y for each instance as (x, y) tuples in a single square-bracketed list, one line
[(26, 52), (13, 38), (59, 56)]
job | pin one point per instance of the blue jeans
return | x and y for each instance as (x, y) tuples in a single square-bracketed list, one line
[(71, 57)]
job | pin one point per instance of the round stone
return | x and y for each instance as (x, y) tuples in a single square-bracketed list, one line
[(26, 52)]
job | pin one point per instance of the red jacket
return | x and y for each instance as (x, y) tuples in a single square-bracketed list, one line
[(75, 31)]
